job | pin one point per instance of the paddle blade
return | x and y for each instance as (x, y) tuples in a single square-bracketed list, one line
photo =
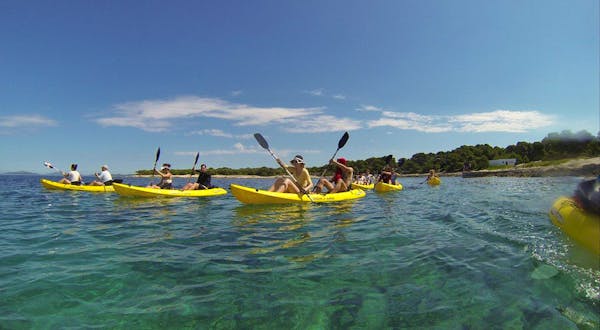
[(261, 140), (48, 165), (196, 161), (343, 140), (157, 155)]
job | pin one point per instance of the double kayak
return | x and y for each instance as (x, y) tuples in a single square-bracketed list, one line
[(579, 224), (435, 181), (385, 187), (362, 186), (137, 191), (250, 195), (49, 184)]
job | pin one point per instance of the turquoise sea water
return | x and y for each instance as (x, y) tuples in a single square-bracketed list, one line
[(472, 253)]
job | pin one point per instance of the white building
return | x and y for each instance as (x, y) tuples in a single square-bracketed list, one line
[(500, 162)]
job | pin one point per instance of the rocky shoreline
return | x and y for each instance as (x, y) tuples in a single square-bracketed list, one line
[(589, 167)]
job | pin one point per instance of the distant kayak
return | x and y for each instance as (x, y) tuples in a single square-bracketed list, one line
[(580, 225), (435, 181), (250, 195), (385, 187), (137, 191), (363, 186), (63, 186)]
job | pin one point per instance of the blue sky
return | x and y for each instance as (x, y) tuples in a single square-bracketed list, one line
[(107, 82)]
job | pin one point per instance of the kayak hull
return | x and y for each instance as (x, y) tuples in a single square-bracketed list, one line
[(386, 187), (137, 191), (363, 186), (434, 181), (580, 225), (250, 195), (53, 185)]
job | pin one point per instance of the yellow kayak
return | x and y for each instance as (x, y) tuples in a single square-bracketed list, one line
[(137, 191), (257, 196), (362, 186), (435, 181), (580, 225), (385, 187), (62, 186)]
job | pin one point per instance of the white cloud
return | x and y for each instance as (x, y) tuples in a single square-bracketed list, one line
[(237, 148), (364, 107), (221, 133), (161, 115), (237, 93), (323, 123), (26, 121), (501, 121), (495, 121), (316, 92), (339, 97)]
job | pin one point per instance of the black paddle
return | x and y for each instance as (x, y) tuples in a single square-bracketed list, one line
[(341, 144), (263, 143), (194, 167), (155, 161)]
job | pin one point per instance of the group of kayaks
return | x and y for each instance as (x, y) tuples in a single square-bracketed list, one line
[(580, 224), (247, 195)]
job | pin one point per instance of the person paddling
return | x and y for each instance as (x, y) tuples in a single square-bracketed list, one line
[(104, 178), (203, 181), (72, 177), (341, 180), (299, 172), (166, 178)]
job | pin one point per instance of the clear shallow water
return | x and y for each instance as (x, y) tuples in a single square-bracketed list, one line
[(474, 253)]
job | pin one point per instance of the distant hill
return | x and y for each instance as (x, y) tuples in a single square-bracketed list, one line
[(19, 173)]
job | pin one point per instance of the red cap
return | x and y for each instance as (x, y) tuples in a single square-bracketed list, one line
[(342, 160)]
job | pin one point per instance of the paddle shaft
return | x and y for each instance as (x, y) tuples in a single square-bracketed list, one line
[(341, 144), (263, 143), (154, 167), (49, 165), (194, 167)]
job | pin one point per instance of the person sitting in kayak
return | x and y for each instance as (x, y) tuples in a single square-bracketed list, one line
[(299, 172), (203, 181), (587, 195), (431, 175), (166, 178), (386, 175), (341, 180), (72, 177), (104, 178)]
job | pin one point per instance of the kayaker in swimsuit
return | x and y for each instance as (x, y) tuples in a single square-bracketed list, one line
[(72, 177), (166, 178), (299, 172), (341, 180), (203, 181)]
